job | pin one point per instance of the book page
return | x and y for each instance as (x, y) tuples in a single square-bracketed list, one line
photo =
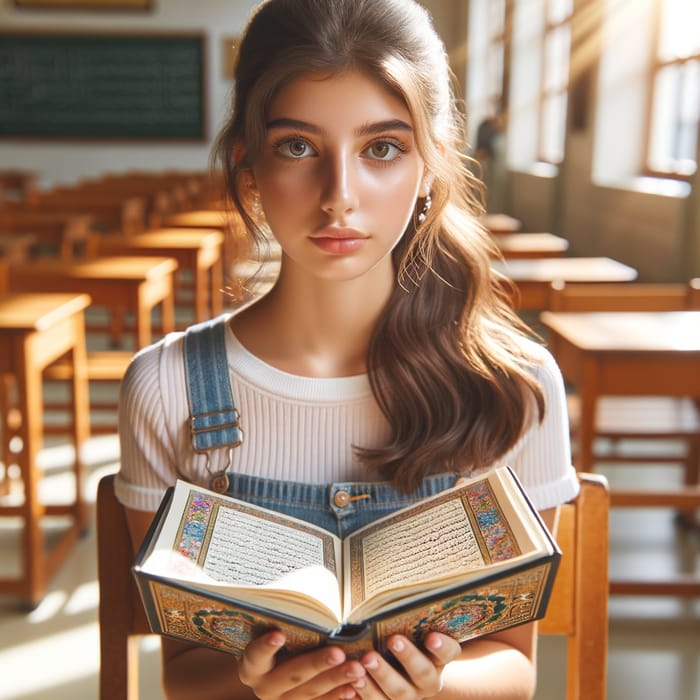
[(246, 550), (437, 541), (236, 548), (444, 541)]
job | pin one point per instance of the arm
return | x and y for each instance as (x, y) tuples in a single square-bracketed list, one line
[(320, 673), (500, 666)]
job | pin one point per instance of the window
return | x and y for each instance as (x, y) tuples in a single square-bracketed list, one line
[(487, 60), (675, 106), (555, 80)]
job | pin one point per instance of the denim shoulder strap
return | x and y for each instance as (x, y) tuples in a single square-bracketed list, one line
[(214, 419)]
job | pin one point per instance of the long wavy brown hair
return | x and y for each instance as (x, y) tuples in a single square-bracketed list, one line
[(446, 362)]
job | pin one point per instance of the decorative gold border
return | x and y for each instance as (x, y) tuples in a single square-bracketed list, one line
[(85, 4)]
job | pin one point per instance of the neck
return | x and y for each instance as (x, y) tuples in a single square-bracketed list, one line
[(314, 327)]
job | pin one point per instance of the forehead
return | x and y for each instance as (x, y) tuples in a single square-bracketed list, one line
[(350, 97)]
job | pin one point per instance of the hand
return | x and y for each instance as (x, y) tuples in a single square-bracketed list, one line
[(322, 673), (422, 677)]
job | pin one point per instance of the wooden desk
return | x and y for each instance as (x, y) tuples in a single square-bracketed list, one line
[(530, 245), (21, 183), (120, 284), (199, 218), (197, 251), (629, 354), (534, 277), (16, 248), (109, 213), (236, 239), (500, 223), (64, 232), (35, 331)]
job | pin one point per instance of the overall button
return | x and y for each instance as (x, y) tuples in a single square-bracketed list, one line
[(341, 499)]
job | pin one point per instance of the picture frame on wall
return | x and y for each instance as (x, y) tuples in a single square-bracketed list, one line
[(136, 5)]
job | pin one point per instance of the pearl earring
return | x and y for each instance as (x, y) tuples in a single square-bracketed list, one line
[(426, 208)]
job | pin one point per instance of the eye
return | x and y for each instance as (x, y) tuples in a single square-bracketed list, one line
[(384, 150), (295, 148)]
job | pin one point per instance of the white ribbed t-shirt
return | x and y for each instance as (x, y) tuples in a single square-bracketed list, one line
[(296, 428)]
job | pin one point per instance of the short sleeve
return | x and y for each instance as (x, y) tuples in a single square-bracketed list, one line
[(148, 455), (541, 457)]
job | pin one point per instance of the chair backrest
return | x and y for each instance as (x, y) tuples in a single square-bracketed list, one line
[(121, 616), (577, 609), (631, 296)]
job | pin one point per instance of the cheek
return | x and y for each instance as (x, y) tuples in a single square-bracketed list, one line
[(394, 197)]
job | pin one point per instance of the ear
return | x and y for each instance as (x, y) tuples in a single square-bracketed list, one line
[(425, 185)]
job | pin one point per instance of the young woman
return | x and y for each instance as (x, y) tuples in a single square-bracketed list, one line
[(384, 357)]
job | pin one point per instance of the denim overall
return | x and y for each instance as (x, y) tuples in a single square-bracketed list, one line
[(340, 507)]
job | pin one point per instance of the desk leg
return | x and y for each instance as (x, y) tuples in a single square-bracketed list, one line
[(589, 397), (143, 310), (167, 310), (31, 431), (217, 284), (116, 326), (200, 292), (6, 387), (81, 417)]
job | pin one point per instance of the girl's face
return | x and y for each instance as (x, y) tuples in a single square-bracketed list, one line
[(339, 174)]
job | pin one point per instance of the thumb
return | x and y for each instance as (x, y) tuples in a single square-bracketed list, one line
[(259, 656)]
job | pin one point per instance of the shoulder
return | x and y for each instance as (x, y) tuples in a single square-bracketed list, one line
[(148, 364), (155, 377), (159, 369), (542, 365), (535, 358)]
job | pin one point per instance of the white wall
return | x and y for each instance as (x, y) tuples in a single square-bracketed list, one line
[(66, 161), (597, 200)]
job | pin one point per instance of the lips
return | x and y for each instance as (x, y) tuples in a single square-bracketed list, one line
[(335, 233), (339, 241)]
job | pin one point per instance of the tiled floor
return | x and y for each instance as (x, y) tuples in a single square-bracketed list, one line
[(52, 652)]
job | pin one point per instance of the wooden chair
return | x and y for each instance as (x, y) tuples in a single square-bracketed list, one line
[(121, 616), (639, 419), (578, 607)]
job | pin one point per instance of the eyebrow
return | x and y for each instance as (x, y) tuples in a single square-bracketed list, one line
[(369, 129)]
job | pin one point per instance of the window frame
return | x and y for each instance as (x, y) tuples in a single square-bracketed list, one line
[(657, 65), (550, 27)]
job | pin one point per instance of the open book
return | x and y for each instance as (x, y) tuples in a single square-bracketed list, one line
[(469, 561)]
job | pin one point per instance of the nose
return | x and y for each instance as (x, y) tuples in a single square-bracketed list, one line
[(339, 194)]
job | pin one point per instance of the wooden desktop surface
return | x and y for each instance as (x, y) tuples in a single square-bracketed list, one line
[(624, 354), (530, 245), (500, 223), (137, 283), (35, 331), (631, 354), (196, 250), (533, 277)]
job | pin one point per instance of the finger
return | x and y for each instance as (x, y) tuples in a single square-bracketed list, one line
[(259, 656), (314, 674), (442, 648), (420, 671), (337, 683)]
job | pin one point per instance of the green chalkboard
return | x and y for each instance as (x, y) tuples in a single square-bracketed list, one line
[(102, 86)]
